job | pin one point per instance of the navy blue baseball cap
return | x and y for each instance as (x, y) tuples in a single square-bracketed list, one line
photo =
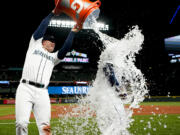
[(49, 38)]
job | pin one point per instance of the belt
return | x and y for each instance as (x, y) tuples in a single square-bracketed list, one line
[(38, 85)]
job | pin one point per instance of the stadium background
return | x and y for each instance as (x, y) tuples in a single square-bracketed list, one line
[(19, 19), (152, 17)]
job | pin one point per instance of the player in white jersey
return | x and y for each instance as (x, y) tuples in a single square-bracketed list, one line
[(32, 93)]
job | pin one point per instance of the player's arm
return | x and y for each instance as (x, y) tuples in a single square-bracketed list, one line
[(67, 44), (40, 31), (109, 72)]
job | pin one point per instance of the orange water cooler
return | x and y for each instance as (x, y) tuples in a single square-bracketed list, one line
[(83, 12)]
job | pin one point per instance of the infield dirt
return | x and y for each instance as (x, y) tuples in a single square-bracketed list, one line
[(142, 110)]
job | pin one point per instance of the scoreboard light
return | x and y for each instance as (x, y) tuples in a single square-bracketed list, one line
[(71, 24)]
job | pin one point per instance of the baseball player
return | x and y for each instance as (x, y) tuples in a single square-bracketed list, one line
[(32, 93), (109, 73)]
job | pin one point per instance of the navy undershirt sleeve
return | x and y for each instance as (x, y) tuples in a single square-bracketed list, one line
[(66, 46), (109, 72), (40, 31)]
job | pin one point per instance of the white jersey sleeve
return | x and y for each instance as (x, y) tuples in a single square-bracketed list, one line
[(33, 43)]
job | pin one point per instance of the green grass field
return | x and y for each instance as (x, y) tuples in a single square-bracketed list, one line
[(162, 103), (166, 124)]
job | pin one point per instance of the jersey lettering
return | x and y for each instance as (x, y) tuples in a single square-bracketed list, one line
[(38, 52)]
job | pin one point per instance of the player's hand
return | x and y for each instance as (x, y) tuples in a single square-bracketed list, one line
[(53, 11), (77, 28), (56, 11)]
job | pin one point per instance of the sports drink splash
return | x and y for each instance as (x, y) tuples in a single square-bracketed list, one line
[(112, 116), (102, 111)]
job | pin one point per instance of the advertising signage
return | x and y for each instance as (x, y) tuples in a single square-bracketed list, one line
[(68, 90), (75, 60), (75, 57)]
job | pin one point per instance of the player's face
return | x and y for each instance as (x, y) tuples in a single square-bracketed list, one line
[(49, 46)]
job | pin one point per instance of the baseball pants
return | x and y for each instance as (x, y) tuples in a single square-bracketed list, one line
[(30, 98)]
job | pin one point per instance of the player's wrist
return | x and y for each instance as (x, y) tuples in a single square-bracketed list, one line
[(75, 30), (53, 11)]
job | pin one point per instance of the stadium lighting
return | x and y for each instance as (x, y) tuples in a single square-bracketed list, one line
[(71, 24)]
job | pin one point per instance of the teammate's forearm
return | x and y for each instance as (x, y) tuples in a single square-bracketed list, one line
[(109, 72), (67, 45), (40, 31)]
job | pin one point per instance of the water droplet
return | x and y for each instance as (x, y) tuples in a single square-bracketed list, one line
[(165, 126), (141, 121)]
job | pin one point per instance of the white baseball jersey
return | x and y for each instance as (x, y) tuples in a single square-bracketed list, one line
[(39, 63)]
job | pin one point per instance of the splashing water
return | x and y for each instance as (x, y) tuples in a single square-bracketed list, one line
[(112, 117), (102, 102)]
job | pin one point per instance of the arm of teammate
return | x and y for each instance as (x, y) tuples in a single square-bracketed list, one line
[(40, 31), (67, 44), (109, 72)]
